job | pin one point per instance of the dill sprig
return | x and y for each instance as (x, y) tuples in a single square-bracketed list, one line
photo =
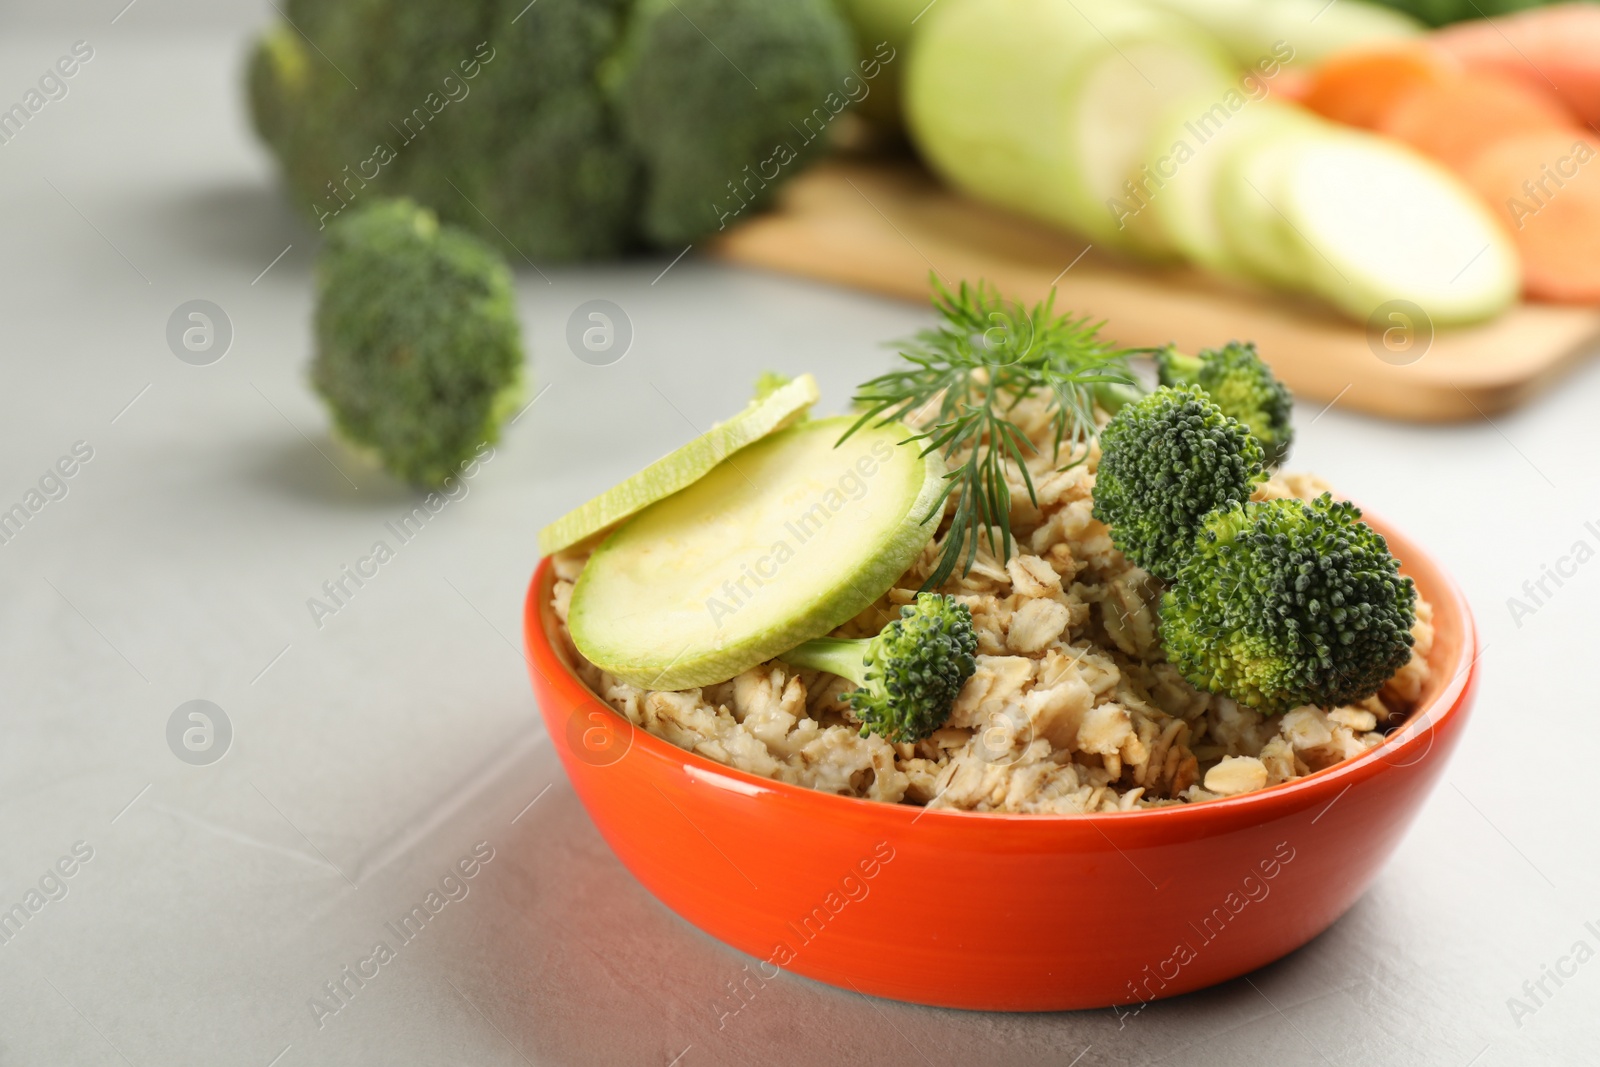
[(986, 357)]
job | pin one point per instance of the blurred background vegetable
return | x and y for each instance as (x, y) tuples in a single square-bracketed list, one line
[(1550, 49), (1439, 12), (1347, 153), (1485, 102), (1250, 29), (568, 128), (1082, 114), (1046, 107), (419, 356)]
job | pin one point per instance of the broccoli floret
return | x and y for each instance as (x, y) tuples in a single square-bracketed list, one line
[(1112, 397), (1167, 461), (1242, 385), (910, 674), (564, 129), (419, 356), (1284, 603), (718, 125)]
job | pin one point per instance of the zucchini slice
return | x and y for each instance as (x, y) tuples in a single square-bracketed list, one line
[(1383, 223), (1123, 95), (1249, 202), (679, 468), (1193, 144), (781, 542), (1044, 107)]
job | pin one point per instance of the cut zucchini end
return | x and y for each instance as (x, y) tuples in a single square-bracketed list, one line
[(1188, 152), (1249, 201), (1120, 98)]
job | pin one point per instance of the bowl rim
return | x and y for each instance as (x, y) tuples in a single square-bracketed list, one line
[(1446, 597)]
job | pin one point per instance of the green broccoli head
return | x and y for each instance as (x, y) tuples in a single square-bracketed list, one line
[(1240, 383), (418, 352), (1167, 461), (564, 129), (719, 118), (276, 79), (910, 674), (1284, 603)]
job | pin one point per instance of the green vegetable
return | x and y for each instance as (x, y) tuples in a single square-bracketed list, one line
[(1045, 107), (1248, 197), (1240, 383), (988, 354), (1380, 223), (910, 673), (419, 356), (1167, 462), (1364, 222), (1440, 12), (564, 128), (1051, 109), (784, 541), (774, 408), (706, 115), (1192, 144), (1282, 604)]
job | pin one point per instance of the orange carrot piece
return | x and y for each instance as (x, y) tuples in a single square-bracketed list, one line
[(1358, 88), (1456, 119), (1291, 84), (1553, 49), (1545, 187)]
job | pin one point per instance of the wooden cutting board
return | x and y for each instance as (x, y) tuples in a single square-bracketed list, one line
[(886, 226)]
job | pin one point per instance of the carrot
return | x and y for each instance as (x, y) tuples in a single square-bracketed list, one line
[(1291, 84), (1546, 188), (1359, 87), (1555, 49), (1455, 119)]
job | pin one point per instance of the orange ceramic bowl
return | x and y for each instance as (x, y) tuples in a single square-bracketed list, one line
[(1003, 912)]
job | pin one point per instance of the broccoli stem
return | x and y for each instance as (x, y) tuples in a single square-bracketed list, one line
[(834, 655), (1112, 397), (909, 675), (1177, 368)]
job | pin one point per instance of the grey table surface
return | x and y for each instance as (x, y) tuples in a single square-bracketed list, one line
[(372, 749)]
